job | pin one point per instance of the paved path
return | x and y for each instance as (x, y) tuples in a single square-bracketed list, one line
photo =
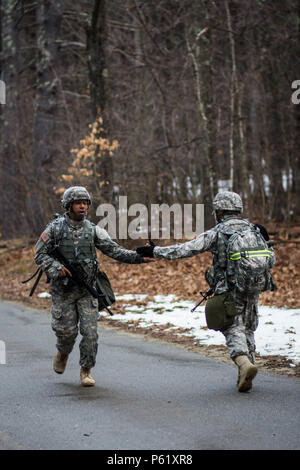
[(148, 395)]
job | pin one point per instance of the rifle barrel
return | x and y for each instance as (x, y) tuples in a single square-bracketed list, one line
[(205, 295)]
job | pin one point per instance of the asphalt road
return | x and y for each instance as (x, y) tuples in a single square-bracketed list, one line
[(148, 395)]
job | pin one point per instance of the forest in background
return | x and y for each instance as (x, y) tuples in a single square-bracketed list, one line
[(164, 101)]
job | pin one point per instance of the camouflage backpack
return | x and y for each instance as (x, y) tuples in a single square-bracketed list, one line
[(248, 258)]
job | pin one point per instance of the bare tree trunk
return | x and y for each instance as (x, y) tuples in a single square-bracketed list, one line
[(12, 209), (95, 50), (208, 183), (296, 161), (44, 150), (245, 189), (233, 90), (277, 211), (296, 134)]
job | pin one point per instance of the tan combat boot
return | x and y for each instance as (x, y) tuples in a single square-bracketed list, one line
[(59, 363), (86, 378), (247, 372)]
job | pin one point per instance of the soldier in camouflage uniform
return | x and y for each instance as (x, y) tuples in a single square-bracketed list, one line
[(240, 335), (71, 304)]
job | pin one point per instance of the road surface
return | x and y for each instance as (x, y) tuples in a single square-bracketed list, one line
[(148, 395)]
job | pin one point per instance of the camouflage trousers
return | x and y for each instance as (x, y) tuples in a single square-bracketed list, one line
[(240, 335), (72, 310)]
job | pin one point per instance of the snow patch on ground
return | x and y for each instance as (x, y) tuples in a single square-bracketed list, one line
[(278, 332)]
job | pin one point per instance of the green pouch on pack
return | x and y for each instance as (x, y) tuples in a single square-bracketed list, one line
[(220, 311), (104, 287)]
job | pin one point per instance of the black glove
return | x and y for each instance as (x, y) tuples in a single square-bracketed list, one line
[(145, 251)]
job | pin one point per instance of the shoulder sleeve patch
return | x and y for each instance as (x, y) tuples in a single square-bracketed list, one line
[(44, 237)]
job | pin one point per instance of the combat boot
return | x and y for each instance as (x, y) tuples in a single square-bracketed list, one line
[(247, 372), (60, 362), (86, 378)]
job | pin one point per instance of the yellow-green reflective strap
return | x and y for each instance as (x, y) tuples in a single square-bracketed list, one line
[(250, 254)]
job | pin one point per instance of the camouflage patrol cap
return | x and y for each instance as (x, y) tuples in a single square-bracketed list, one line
[(227, 201), (75, 193)]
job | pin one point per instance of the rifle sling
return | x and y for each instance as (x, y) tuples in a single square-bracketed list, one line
[(31, 277), (36, 282)]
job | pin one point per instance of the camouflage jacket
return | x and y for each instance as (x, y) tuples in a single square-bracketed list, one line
[(102, 241), (207, 241)]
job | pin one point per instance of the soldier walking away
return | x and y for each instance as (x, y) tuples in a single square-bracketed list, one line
[(72, 304), (240, 271)]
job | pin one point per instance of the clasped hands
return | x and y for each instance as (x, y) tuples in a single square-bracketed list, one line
[(146, 252)]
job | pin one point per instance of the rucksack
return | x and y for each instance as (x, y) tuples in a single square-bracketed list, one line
[(248, 258)]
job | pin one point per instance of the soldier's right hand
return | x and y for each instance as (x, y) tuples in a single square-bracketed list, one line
[(64, 272)]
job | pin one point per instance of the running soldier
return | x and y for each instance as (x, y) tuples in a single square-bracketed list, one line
[(253, 257), (72, 304)]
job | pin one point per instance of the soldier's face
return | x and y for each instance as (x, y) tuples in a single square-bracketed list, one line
[(78, 210), (219, 215)]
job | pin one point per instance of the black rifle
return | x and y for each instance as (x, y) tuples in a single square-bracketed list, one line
[(78, 275), (204, 297)]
